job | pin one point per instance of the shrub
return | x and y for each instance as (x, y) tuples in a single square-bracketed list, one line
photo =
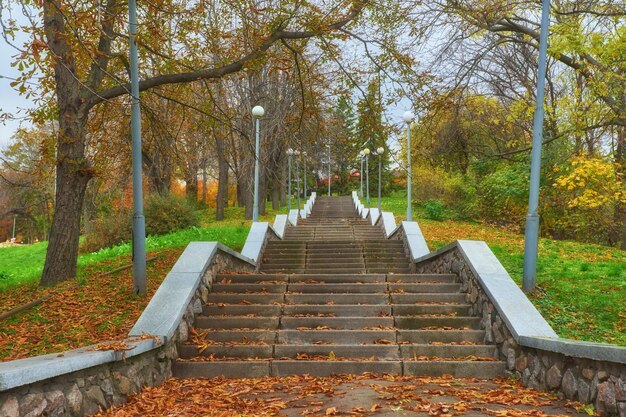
[(434, 210), (165, 214), (109, 230)]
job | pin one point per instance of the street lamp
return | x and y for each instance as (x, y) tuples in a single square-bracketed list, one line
[(408, 118), (289, 155), (304, 172), (379, 153), (362, 158), (257, 113), (297, 154), (366, 152), (328, 146), (139, 221), (531, 235)]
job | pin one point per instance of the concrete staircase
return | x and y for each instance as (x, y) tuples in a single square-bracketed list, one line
[(336, 297)]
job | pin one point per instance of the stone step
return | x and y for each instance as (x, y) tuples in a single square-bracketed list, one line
[(328, 368), (337, 323), (237, 322), (227, 351), (412, 298), (338, 288), (337, 299), (273, 270), (417, 278), (338, 310), (417, 309), (394, 270), (338, 278), (339, 337), (441, 336), (241, 336), (248, 288), (424, 288), (230, 369), (336, 270), (408, 322), (448, 351), (378, 352), (249, 278), (246, 298), (458, 369), (261, 310)]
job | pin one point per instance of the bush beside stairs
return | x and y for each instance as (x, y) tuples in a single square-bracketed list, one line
[(336, 297)]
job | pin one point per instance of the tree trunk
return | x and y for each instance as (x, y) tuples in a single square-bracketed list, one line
[(204, 183), (620, 208), (191, 189), (222, 179)]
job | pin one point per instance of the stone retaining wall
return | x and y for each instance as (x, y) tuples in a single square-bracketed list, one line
[(580, 375), (86, 391)]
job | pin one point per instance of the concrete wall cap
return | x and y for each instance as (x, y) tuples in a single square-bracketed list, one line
[(415, 239), (389, 223), (293, 217)]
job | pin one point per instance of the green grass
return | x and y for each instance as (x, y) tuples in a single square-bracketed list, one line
[(22, 265)]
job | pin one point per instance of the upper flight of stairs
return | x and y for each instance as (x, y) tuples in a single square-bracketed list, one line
[(347, 304)]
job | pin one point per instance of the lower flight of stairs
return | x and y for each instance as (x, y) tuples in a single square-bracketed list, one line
[(322, 324)]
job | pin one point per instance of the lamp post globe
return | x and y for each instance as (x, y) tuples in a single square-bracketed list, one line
[(257, 112), (380, 150), (408, 116)]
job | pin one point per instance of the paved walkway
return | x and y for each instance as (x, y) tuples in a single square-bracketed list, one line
[(344, 396)]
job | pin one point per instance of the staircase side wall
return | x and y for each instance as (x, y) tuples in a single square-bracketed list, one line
[(591, 373)]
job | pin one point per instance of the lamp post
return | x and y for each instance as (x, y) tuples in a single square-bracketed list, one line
[(531, 235), (379, 153), (366, 152), (289, 155), (139, 222), (257, 113), (304, 172), (362, 157), (297, 154), (14, 221), (408, 118), (328, 146)]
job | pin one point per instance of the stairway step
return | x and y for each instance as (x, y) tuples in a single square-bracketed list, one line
[(424, 288), (338, 278), (390, 270), (421, 278), (448, 351), (336, 270), (441, 336), (417, 309), (236, 322), (228, 351), (283, 270), (328, 368), (248, 288), (412, 298), (338, 288), (458, 369), (227, 369), (339, 310), (261, 310), (246, 298), (241, 336), (379, 352), (336, 299), (249, 278), (339, 337), (407, 322), (337, 323)]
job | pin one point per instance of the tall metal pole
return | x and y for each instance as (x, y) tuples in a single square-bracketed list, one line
[(304, 172), (298, 182), (289, 180), (531, 236), (257, 154), (139, 222), (14, 221), (328, 146), (367, 179), (380, 181), (409, 177), (361, 174)]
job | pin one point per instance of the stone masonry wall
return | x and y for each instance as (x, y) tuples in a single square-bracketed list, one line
[(588, 381), (86, 391)]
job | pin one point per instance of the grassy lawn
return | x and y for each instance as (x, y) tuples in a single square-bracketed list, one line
[(582, 287)]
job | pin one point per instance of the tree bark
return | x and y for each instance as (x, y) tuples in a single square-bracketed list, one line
[(222, 179)]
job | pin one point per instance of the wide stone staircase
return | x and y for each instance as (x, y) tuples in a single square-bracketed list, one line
[(336, 297)]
